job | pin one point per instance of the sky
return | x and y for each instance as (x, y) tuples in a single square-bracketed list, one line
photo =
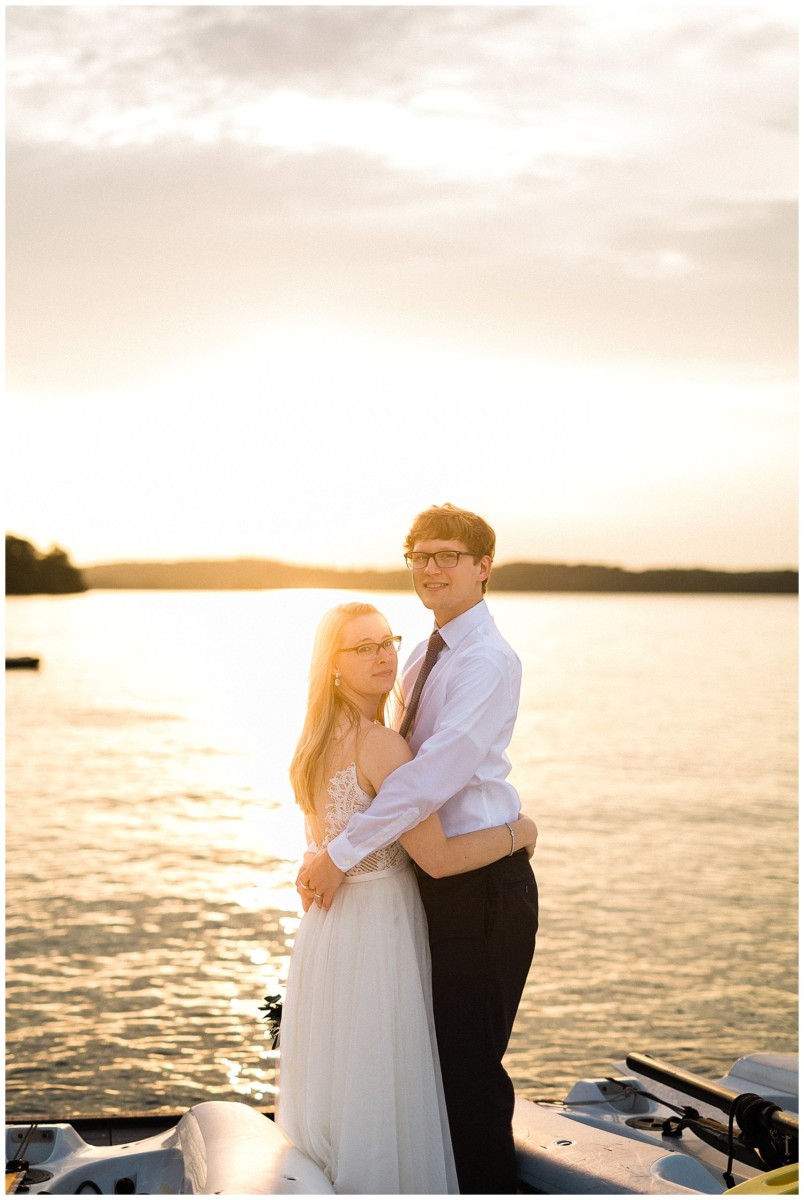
[(278, 278)]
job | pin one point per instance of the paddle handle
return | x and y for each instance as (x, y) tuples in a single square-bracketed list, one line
[(700, 1089)]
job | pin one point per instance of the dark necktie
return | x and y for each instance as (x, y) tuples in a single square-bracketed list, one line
[(434, 647)]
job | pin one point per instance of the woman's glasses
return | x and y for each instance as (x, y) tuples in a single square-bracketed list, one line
[(372, 649)]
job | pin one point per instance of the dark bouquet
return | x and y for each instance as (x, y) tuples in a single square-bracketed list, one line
[(272, 1010)]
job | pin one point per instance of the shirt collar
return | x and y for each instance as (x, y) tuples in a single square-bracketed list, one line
[(459, 627)]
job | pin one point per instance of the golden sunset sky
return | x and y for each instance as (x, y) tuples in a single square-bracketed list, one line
[(280, 277)]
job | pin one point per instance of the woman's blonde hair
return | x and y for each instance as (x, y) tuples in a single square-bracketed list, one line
[(326, 705)]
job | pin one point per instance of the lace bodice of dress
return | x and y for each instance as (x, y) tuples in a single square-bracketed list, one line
[(349, 798)]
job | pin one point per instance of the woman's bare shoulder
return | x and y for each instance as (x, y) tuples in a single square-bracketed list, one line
[(383, 750)]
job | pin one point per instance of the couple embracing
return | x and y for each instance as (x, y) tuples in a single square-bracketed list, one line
[(421, 906)]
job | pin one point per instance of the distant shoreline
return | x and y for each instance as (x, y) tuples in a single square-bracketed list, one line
[(253, 574)]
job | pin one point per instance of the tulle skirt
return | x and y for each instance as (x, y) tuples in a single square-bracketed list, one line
[(360, 1086)]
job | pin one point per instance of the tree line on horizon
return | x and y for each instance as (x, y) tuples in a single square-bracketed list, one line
[(256, 574), (30, 572)]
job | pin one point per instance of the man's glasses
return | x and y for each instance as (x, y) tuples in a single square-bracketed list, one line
[(417, 561), (372, 649)]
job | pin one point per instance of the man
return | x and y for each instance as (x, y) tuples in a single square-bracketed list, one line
[(459, 716)]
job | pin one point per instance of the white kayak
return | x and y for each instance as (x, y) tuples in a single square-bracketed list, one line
[(659, 1130), (654, 1130), (216, 1147)]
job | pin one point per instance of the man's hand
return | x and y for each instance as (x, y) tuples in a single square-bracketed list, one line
[(319, 880)]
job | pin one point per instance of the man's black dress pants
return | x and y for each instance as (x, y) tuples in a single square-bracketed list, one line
[(482, 928)]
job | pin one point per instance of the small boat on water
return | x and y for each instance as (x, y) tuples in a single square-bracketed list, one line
[(631, 1134), (22, 662)]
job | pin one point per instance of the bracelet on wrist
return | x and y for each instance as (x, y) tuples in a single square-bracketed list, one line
[(513, 839)]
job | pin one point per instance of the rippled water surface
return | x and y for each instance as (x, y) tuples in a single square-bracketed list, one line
[(152, 838)]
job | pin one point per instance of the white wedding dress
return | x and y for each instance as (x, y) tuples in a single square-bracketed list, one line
[(360, 1086)]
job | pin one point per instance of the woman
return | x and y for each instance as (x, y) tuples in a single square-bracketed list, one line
[(360, 1085)]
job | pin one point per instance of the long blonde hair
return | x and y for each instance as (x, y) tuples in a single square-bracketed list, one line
[(326, 705)]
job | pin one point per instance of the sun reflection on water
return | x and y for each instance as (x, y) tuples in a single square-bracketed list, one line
[(152, 837)]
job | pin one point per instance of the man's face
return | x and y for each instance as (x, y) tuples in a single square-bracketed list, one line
[(449, 591)]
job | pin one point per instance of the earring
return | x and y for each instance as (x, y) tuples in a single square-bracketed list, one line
[(337, 679)]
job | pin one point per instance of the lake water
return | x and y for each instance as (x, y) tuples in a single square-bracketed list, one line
[(152, 839)]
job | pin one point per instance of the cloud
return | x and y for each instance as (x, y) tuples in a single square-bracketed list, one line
[(574, 82), (572, 180)]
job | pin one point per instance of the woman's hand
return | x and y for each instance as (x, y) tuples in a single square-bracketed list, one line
[(526, 834), (321, 877), (305, 892)]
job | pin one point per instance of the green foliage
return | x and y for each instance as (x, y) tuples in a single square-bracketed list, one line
[(30, 573)]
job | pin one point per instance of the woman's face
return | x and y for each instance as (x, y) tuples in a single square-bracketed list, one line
[(366, 674)]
